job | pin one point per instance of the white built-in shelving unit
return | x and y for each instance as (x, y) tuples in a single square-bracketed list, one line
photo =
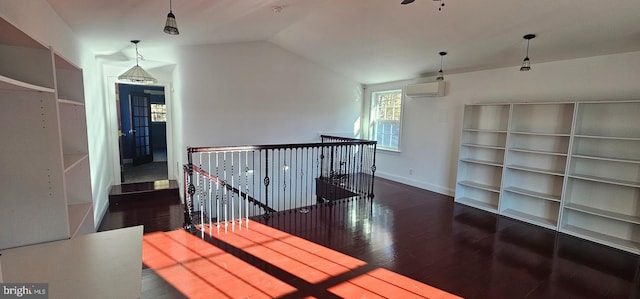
[(567, 166), (602, 200), (482, 151), (46, 185), (537, 152)]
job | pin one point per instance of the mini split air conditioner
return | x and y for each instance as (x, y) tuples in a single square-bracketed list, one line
[(429, 89)]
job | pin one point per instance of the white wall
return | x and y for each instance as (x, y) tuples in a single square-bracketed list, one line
[(432, 126), (257, 93)]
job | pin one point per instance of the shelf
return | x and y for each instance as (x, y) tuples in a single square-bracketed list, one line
[(533, 169), (73, 128), (70, 102), (543, 119), (484, 138), (69, 81), (542, 134), (480, 186), (602, 158), (603, 213), (544, 222), (607, 137), (485, 131), (530, 193), (486, 117), (482, 162), (602, 238), (48, 195), (78, 214), (605, 180), (522, 150), (483, 146), (609, 119), (15, 85), (72, 160), (478, 204)]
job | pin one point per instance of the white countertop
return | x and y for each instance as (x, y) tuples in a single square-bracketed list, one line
[(100, 265)]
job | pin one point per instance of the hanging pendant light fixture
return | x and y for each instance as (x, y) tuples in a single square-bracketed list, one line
[(526, 64), (171, 27), (440, 76), (136, 74)]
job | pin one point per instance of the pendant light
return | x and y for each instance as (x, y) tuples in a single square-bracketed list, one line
[(526, 64), (171, 27), (440, 76), (136, 74)]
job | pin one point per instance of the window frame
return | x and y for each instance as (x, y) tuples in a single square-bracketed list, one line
[(373, 117)]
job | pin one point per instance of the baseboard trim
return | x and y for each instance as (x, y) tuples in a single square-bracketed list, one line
[(418, 184)]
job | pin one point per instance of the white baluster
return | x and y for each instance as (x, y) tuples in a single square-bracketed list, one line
[(246, 188), (224, 190), (210, 192), (233, 213), (217, 194), (201, 192)]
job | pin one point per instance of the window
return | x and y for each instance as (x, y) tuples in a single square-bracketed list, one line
[(158, 113), (386, 115)]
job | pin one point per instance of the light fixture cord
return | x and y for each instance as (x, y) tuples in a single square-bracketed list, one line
[(170, 7), (528, 48), (441, 62), (137, 54)]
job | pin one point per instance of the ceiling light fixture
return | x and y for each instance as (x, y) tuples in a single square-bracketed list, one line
[(171, 27), (440, 76), (405, 2), (136, 74), (526, 64)]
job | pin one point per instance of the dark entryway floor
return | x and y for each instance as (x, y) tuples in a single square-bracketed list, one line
[(148, 172)]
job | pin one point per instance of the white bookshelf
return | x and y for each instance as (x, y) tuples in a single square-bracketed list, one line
[(567, 166), (537, 151), (603, 185), (45, 175), (482, 151)]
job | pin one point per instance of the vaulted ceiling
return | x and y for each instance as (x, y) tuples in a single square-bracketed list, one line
[(371, 41)]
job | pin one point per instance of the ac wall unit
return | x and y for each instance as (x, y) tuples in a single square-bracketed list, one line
[(429, 89)]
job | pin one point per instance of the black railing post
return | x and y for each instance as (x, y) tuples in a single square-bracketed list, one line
[(266, 182), (373, 171), (331, 171), (322, 159), (191, 190)]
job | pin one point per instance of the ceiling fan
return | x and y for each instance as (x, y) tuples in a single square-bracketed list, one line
[(404, 2)]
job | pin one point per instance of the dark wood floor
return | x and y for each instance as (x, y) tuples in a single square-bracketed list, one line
[(427, 237)]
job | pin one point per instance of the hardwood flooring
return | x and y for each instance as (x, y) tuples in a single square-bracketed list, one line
[(426, 237)]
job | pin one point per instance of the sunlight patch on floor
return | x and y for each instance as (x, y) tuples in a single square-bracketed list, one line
[(199, 269)]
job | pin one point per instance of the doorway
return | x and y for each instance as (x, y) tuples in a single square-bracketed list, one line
[(142, 126)]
